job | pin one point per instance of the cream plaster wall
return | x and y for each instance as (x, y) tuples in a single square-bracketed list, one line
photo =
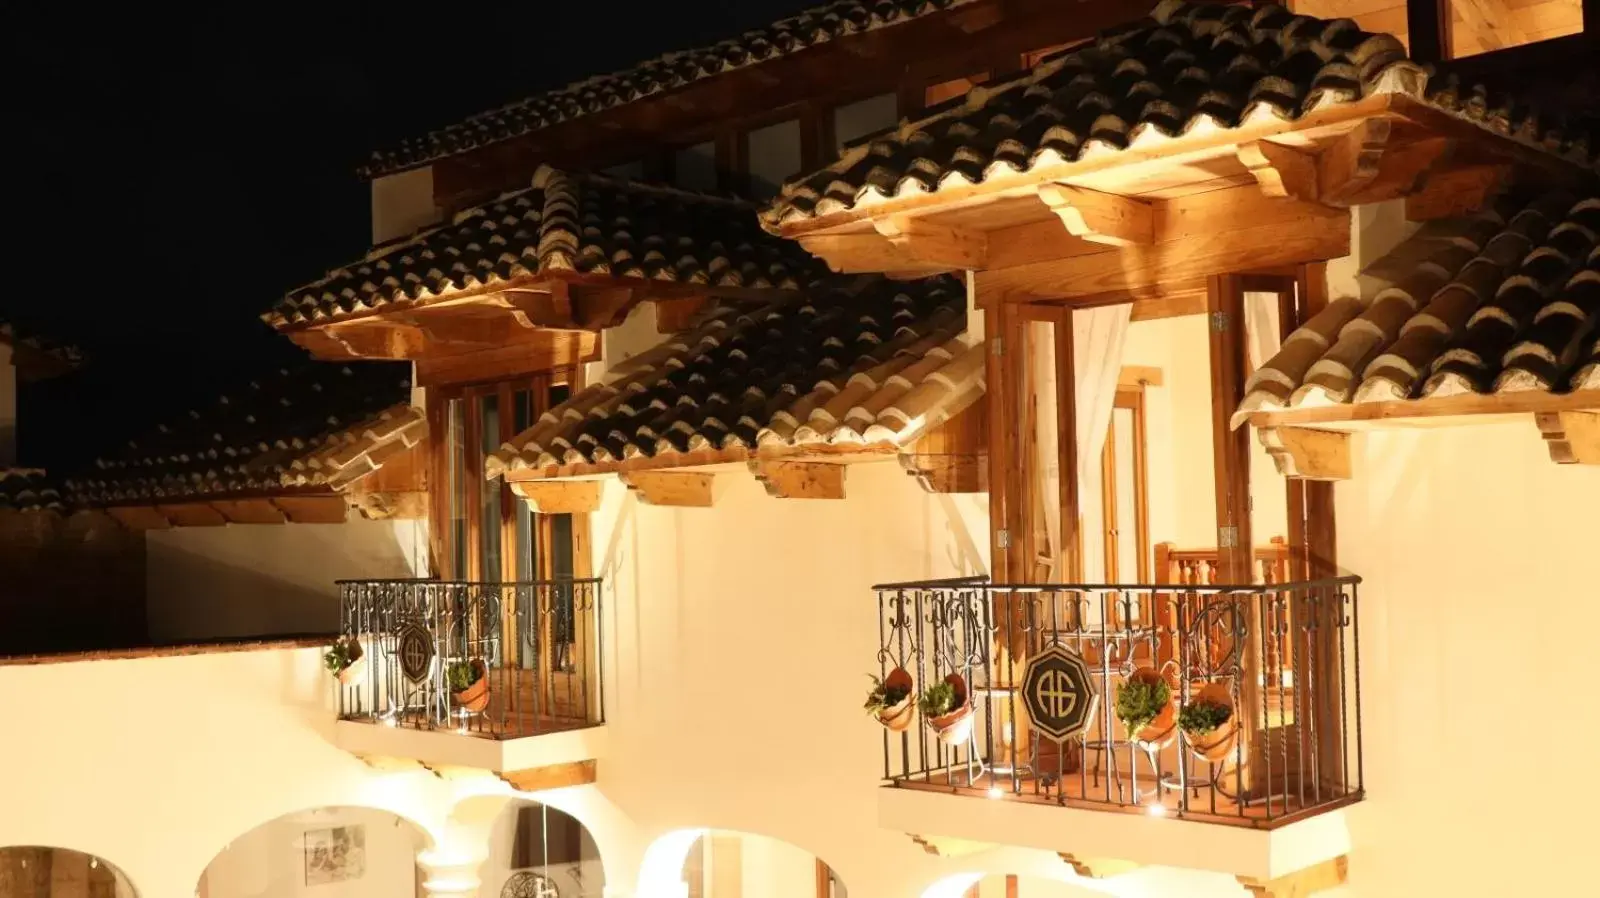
[(268, 579), (402, 203)]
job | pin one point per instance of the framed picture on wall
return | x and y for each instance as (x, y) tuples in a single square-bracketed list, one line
[(333, 855)]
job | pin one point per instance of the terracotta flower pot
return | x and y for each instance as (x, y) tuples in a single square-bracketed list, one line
[(897, 717), (475, 698), (356, 673), (1216, 745), (1158, 733), (954, 727)]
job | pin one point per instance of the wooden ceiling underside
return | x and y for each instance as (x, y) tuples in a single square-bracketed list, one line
[(1475, 26)]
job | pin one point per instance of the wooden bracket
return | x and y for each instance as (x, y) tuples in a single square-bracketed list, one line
[(1098, 867), (139, 517), (378, 339), (249, 511), (559, 496), (799, 479), (935, 245), (947, 846), (388, 505), (553, 776), (192, 514), (1101, 217), (1305, 453), (1573, 438), (678, 489), (1280, 170), (1360, 166), (1329, 874), (966, 473)]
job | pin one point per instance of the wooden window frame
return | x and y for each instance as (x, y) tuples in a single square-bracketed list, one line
[(1130, 398)]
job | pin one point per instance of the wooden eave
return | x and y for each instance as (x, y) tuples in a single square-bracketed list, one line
[(555, 311), (317, 505), (1138, 203), (1314, 443)]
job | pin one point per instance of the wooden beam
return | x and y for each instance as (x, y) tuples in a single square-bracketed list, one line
[(1459, 191), (1329, 874), (799, 479), (864, 253), (676, 489), (552, 776), (535, 308), (597, 308), (1279, 170), (312, 509), (1431, 411), (463, 326), (1100, 217), (948, 473), (1307, 454), (1573, 438), (192, 514), (139, 517), (1350, 163), (1098, 867), (935, 245), (1313, 240), (248, 511), (559, 496), (378, 339)]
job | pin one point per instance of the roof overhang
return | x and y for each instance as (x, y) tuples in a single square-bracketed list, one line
[(1269, 193)]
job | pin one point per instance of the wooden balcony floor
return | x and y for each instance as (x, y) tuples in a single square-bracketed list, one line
[(516, 709), (1092, 789)]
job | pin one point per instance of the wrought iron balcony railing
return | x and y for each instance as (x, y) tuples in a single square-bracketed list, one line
[(1228, 704), (498, 660)]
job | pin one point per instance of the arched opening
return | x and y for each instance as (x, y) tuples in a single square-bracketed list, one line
[(31, 871), (536, 851), (328, 852), (717, 863)]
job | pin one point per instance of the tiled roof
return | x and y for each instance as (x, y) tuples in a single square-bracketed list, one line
[(1504, 301), (311, 424), (27, 489), (1187, 67), (809, 28), (11, 335), (865, 361), (579, 223)]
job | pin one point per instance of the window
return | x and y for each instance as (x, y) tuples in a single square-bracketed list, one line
[(484, 532), (1125, 508), (695, 168), (774, 156), (854, 121)]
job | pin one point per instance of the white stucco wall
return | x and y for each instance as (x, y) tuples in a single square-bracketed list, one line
[(270, 861), (402, 203), (268, 579)]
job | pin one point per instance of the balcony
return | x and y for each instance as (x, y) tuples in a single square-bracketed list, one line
[(1242, 710), (503, 677)]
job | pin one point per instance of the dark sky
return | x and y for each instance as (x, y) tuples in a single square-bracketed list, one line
[(173, 173)]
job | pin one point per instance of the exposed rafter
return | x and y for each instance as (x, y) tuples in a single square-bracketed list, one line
[(1101, 217)]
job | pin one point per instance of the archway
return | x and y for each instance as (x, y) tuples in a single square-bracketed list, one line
[(537, 851), (327, 852), (32, 871), (718, 863), (1011, 885)]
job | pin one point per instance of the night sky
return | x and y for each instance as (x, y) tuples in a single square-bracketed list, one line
[(173, 174)]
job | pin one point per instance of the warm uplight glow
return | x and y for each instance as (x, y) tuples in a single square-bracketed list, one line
[(996, 792), (1156, 809), (462, 729)]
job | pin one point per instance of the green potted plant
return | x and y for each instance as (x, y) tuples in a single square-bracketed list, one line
[(947, 709), (1208, 724), (1144, 705), (469, 684), (890, 700), (346, 661)]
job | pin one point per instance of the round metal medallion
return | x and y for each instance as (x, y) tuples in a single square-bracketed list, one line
[(415, 647), (529, 884)]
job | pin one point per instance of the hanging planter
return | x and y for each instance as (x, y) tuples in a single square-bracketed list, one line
[(469, 684), (346, 661), (948, 710), (1144, 705), (1209, 724), (890, 700)]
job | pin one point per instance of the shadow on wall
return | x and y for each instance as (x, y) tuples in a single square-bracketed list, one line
[(268, 579), (35, 872), (69, 582)]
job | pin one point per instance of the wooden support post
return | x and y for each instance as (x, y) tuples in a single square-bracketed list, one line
[(1231, 457)]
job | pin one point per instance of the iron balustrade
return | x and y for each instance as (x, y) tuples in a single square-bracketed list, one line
[(538, 643), (1285, 656)]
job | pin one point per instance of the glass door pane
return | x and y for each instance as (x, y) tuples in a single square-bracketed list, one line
[(455, 449), (488, 492)]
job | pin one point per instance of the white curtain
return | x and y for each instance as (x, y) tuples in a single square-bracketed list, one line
[(1261, 326), (1098, 337), (1046, 436)]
